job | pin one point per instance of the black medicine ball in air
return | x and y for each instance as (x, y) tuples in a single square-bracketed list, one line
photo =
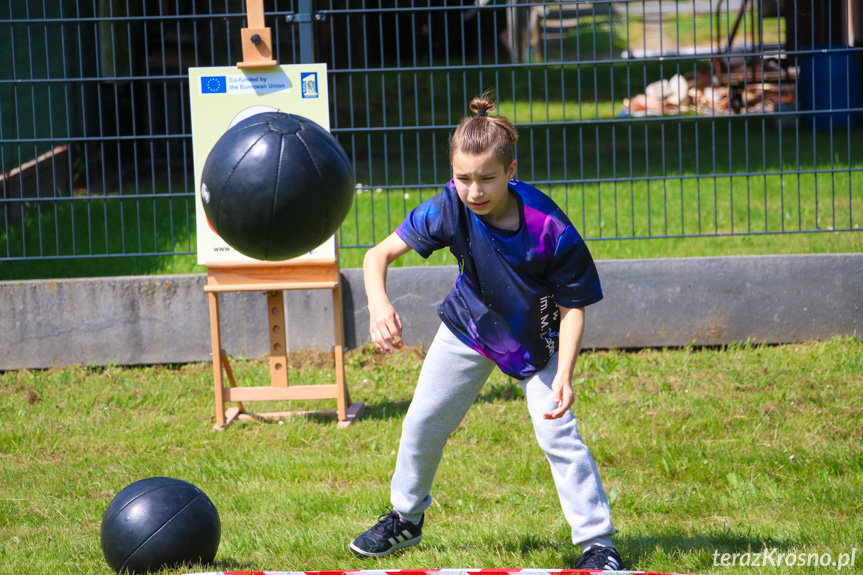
[(158, 522), (275, 186)]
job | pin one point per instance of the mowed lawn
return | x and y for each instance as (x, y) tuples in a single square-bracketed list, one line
[(702, 452)]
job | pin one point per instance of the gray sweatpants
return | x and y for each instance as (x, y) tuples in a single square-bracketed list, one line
[(451, 378)]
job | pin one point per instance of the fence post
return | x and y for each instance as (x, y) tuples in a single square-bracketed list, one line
[(306, 23)]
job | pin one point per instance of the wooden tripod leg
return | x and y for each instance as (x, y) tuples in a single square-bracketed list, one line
[(230, 373), (278, 340), (342, 399), (232, 413), (216, 337)]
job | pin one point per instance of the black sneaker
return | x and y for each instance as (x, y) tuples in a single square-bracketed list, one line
[(390, 533), (600, 558)]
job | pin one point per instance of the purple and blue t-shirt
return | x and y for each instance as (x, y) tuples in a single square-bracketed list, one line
[(504, 302)]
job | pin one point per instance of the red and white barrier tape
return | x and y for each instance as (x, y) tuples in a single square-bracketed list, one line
[(436, 572)]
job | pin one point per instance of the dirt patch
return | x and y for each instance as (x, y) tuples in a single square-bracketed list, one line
[(31, 395), (365, 357)]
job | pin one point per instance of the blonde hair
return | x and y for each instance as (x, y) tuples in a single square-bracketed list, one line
[(479, 134)]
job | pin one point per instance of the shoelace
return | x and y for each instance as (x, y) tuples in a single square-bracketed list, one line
[(596, 558), (388, 522)]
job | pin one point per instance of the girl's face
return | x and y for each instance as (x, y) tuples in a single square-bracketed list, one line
[(482, 185)]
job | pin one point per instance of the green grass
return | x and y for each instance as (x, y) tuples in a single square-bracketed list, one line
[(684, 30), (723, 450), (42, 241), (601, 38)]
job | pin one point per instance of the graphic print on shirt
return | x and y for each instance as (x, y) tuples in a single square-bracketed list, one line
[(504, 303), (548, 309)]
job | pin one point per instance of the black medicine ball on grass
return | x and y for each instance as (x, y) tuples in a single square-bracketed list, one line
[(159, 522), (275, 186)]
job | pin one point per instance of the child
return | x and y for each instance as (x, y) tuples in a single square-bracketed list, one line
[(518, 303)]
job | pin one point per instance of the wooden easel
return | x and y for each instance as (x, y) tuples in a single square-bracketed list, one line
[(273, 278), (257, 38)]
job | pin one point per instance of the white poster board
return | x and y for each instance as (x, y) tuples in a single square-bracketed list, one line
[(222, 96)]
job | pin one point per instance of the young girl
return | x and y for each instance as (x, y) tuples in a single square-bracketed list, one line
[(518, 303)]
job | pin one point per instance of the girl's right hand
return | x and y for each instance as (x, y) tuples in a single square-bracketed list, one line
[(385, 328)]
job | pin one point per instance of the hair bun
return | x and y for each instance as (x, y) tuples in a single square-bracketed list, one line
[(482, 106), (484, 133)]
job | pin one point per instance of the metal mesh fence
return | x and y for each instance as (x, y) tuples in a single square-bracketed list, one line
[(642, 119)]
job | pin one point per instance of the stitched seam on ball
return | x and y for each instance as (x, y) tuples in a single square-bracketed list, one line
[(339, 151), (275, 195), (260, 123), (125, 505), (231, 174), (321, 238), (132, 554)]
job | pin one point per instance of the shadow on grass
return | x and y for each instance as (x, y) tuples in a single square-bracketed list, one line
[(527, 544), (392, 410), (231, 564), (386, 410), (699, 550), (492, 392), (495, 391)]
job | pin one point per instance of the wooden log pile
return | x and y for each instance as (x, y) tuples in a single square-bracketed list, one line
[(704, 94)]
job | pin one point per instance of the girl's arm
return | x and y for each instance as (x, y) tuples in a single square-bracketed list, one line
[(569, 344), (385, 327)]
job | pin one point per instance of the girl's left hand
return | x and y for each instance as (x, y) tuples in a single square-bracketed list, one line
[(563, 397)]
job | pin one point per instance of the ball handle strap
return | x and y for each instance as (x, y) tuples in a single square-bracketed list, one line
[(257, 39)]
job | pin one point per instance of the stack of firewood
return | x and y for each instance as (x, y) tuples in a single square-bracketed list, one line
[(704, 94)]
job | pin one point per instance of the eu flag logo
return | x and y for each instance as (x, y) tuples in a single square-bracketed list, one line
[(213, 85)]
